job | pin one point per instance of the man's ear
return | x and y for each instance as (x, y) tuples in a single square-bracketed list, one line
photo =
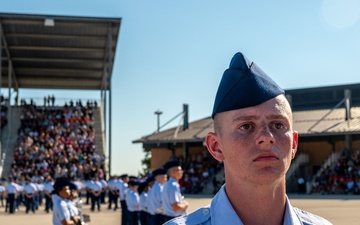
[(213, 146), (294, 144)]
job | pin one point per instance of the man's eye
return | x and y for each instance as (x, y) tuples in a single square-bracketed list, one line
[(245, 127), (279, 125)]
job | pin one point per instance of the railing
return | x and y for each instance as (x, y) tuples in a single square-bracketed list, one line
[(300, 159), (333, 157)]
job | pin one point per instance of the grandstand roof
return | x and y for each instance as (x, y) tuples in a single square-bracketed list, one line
[(58, 52), (307, 123)]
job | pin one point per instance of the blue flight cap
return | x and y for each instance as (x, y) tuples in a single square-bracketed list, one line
[(244, 85), (133, 183), (159, 171), (170, 164)]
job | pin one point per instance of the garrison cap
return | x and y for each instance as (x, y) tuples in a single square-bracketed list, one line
[(133, 183), (244, 85), (124, 176), (159, 171), (172, 163)]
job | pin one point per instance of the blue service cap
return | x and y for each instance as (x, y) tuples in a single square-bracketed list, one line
[(150, 179), (159, 171), (172, 163), (133, 183), (244, 85), (122, 176)]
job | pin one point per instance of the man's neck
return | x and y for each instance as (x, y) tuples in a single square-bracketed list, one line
[(258, 204)]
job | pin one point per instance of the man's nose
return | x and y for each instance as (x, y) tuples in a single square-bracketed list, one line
[(265, 136)]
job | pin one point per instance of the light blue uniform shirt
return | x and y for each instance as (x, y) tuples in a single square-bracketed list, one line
[(49, 187), (2, 189), (154, 200), (61, 210), (122, 188), (171, 194), (132, 201), (30, 188), (220, 212), (11, 188), (143, 201)]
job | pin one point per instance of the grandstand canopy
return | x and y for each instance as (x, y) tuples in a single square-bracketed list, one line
[(57, 52)]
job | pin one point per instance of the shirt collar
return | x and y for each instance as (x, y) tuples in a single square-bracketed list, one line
[(221, 210)]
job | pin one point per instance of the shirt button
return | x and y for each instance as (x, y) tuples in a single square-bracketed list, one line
[(206, 211)]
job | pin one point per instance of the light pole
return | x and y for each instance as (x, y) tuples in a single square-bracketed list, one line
[(158, 113)]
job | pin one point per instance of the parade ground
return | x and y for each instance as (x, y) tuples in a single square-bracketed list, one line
[(340, 210)]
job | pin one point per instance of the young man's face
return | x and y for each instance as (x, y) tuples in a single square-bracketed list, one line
[(176, 172), (65, 192), (256, 143)]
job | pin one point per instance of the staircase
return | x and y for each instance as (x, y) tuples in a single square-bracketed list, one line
[(333, 157), (99, 132), (9, 137), (299, 167)]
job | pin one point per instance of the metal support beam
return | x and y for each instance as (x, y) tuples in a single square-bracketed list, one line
[(110, 119)]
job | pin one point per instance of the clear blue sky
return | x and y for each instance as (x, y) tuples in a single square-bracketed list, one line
[(174, 52)]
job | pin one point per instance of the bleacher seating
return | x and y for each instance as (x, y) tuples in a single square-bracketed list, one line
[(343, 177), (57, 141)]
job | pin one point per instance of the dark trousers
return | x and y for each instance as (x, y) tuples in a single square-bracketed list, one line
[(88, 196), (158, 219), (167, 218), (30, 203), (11, 201), (144, 218), (102, 196), (124, 213), (48, 203), (2, 200), (113, 198), (134, 218), (95, 200)]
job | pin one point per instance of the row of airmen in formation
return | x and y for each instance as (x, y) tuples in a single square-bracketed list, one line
[(152, 201)]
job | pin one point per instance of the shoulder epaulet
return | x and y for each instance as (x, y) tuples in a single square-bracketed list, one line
[(310, 219), (200, 216)]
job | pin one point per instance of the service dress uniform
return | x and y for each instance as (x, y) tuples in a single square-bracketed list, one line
[(220, 212), (30, 192), (61, 210), (113, 193), (95, 188), (154, 202), (2, 193), (11, 190), (48, 189), (132, 201), (144, 212), (124, 211), (104, 185), (171, 194)]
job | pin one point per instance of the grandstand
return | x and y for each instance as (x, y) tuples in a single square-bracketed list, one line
[(55, 52), (327, 119)]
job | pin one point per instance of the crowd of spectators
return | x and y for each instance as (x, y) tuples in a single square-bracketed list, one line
[(57, 141), (343, 177), (199, 173)]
